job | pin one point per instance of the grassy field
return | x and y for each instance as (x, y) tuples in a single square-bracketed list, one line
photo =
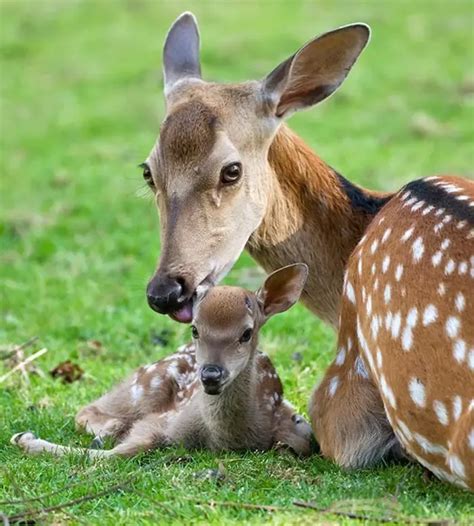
[(80, 107)]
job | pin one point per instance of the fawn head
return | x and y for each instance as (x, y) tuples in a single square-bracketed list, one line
[(209, 169), (227, 321)]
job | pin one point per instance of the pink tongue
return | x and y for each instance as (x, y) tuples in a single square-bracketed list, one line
[(185, 314)]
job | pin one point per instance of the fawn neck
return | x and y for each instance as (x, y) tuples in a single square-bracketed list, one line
[(236, 403), (315, 216)]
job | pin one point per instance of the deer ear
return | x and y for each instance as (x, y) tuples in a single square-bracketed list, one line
[(181, 51), (316, 70), (282, 289)]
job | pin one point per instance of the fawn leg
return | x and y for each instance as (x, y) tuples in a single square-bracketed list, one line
[(144, 435)]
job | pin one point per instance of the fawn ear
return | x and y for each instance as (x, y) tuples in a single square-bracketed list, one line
[(282, 289), (316, 70), (181, 51)]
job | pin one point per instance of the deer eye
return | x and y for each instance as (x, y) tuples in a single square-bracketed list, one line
[(147, 175), (194, 332), (231, 173), (246, 335)]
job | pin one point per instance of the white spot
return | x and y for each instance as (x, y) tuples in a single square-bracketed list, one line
[(341, 356), (412, 317), (373, 268), (350, 292), (462, 197), (136, 392), (429, 447), (405, 431), (360, 369), (396, 322), (406, 236), (447, 219), (155, 382), (349, 343), (417, 392), (449, 268), (386, 235), (461, 224), (376, 284), (359, 266), (407, 338), (364, 295), (387, 294), (385, 264), (418, 248), (462, 269), (399, 272), (430, 315), (441, 289), (388, 320), (374, 326), (436, 259), (457, 407), (333, 385), (369, 305), (417, 206), (439, 212), (471, 439), (438, 227), (374, 246), (387, 392), (427, 210), (456, 466), (452, 326), (405, 195), (379, 359), (410, 201), (441, 412), (460, 302), (445, 244), (470, 359)]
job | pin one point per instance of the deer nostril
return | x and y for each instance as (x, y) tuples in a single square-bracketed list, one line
[(164, 293), (211, 374)]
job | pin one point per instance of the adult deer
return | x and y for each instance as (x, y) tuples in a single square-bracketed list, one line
[(228, 174)]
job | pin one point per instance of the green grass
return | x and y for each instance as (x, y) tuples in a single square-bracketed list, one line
[(80, 107)]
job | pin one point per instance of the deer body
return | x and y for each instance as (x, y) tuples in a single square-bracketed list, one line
[(407, 313), (219, 393)]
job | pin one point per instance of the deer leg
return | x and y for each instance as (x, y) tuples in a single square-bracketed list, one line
[(460, 458), (98, 423), (347, 412), (144, 435), (293, 431)]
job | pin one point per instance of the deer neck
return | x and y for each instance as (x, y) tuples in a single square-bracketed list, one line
[(234, 405), (314, 216)]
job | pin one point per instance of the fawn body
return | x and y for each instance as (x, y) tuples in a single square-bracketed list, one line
[(219, 393), (228, 174)]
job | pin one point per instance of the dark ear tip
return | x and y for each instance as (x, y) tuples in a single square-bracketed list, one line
[(187, 17)]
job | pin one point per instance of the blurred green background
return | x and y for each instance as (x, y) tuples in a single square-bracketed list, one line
[(81, 103)]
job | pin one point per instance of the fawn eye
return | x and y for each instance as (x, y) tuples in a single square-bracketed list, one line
[(147, 175), (231, 173), (247, 334), (194, 332)]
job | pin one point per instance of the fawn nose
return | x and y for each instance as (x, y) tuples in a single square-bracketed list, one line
[(211, 377), (164, 293)]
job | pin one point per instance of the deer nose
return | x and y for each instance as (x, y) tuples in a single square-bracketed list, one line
[(211, 375), (163, 293)]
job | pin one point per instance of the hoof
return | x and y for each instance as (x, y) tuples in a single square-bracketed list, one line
[(20, 439)]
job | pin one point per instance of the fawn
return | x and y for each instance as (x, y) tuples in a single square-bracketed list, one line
[(228, 174), (221, 393)]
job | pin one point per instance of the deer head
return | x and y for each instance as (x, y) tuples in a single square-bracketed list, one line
[(227, 321), (209, 168)]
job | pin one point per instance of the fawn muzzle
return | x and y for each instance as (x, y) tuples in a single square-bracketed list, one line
[(212, 378)]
